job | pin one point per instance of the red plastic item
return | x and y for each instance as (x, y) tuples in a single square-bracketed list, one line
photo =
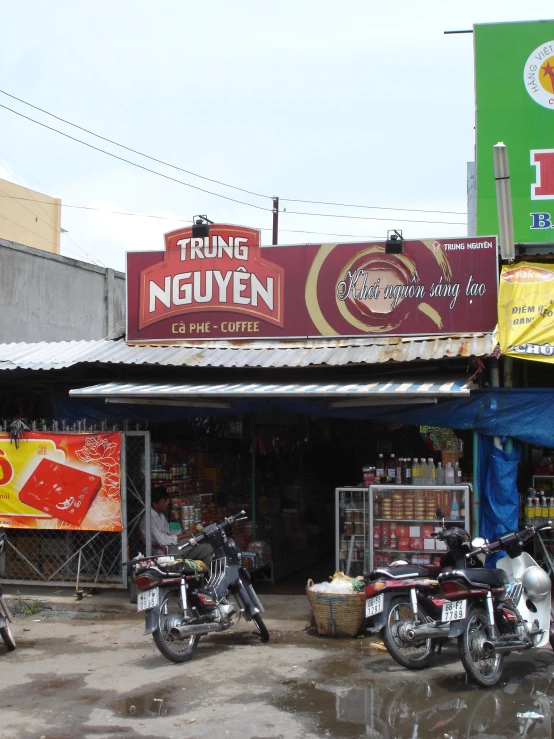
[(61, 491)]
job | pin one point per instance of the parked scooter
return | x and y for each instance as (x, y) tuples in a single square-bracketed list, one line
[(180, 605), (5, 615), (503, 610), (403, 603)]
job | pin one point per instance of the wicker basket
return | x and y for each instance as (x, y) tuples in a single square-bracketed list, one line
[(337, 614)]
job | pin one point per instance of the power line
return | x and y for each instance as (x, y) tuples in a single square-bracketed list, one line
[(373, 207), (134, 164), (208, 179), (186, 220), (128, 148), (371, 218)]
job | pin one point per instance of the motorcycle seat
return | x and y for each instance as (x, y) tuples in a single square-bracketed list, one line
[(398, 571), (491, 578)]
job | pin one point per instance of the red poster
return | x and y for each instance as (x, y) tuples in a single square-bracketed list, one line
[(225, 286), (61, 481)]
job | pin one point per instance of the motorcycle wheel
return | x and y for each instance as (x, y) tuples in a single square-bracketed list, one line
[(176, 650), (485, 671), (262, 628), (413, 655), (7, 636)]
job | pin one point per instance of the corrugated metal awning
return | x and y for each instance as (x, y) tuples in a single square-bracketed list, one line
[(259, 353), (407, 391)]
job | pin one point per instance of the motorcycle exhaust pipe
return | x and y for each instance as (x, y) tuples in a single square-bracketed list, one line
[(490, 648), (180, 632), (427, 631)]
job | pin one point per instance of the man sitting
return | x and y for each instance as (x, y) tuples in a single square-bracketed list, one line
[(165, 541)]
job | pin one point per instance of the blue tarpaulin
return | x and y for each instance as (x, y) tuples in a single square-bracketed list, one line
[(526, 414), (499, 498)]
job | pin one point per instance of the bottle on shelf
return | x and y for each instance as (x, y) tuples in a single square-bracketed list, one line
[(544, 510), (537, 510), (551, 509), (529, 511), (398, 475), (449, 475), (439, 474), (462, 506), (380, 470), (423, 476), (457, 474), (454, 508), (416, 473), (391, 470), (432, 474), (408, 471)]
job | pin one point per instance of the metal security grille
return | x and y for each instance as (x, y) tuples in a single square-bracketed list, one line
[(91, 558)]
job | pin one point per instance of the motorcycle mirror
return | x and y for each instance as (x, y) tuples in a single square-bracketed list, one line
[(478, 542)]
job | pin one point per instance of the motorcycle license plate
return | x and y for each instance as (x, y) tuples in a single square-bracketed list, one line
[(454, 610), (373, 606), (148, 599)]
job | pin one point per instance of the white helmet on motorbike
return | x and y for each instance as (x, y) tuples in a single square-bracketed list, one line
[(536, 583)]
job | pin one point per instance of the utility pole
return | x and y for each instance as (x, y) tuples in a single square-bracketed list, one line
[(275, 221)]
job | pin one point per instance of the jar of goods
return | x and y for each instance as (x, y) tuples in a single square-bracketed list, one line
[(358, 516), (348, 527), (386, 508), (349, 514), (359, 527)]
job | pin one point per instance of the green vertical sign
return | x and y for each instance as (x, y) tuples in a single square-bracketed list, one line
[(514, 92)]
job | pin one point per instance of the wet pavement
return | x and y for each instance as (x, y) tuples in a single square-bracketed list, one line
[(97, 679), (390, 705)]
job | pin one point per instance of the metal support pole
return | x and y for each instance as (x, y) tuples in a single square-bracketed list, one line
[(275, 239), (253, 480), (123, 493), (148, 493), (475, 498)]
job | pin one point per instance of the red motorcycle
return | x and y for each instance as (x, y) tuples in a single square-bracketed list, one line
[(404, 603)]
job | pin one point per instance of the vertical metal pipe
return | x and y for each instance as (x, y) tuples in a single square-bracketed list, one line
[(275, 239), (253, 479), (123, 494), (148, 492), (475, 497)]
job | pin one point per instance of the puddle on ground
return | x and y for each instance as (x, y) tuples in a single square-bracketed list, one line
[(426, 709), (145, 705)]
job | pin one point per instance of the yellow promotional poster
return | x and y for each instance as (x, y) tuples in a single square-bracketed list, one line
[(61, 481), (526, 311)]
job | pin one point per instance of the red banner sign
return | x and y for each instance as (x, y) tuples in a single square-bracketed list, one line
[(61, 481), (226, 286)]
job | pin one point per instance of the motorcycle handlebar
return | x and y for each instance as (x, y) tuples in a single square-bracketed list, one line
[(240, 516)]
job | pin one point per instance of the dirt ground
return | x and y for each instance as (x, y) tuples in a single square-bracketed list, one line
[(99, 677)]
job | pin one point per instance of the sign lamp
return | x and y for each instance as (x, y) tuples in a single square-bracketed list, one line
[(394, 243)]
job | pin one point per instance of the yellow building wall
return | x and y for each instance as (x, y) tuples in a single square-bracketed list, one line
[(29, 217)]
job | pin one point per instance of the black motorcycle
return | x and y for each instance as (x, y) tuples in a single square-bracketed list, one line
[(182, 604), (5, 615)]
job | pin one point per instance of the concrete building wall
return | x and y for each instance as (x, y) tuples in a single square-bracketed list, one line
[(29, 217), (47, 297)]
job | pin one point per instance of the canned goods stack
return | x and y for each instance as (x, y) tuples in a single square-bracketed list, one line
[(430, 504), (409, 505), (386, 508), (420, 507), (397, 504)]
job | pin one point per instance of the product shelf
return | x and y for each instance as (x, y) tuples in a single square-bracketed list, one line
[(418, 520)]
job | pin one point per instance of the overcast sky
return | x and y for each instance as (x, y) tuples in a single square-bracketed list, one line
[(360, 102)]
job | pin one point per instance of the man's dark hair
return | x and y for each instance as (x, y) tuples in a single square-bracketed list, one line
[(158, 493)]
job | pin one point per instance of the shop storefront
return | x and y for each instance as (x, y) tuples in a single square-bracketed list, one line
[(275, 425)]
